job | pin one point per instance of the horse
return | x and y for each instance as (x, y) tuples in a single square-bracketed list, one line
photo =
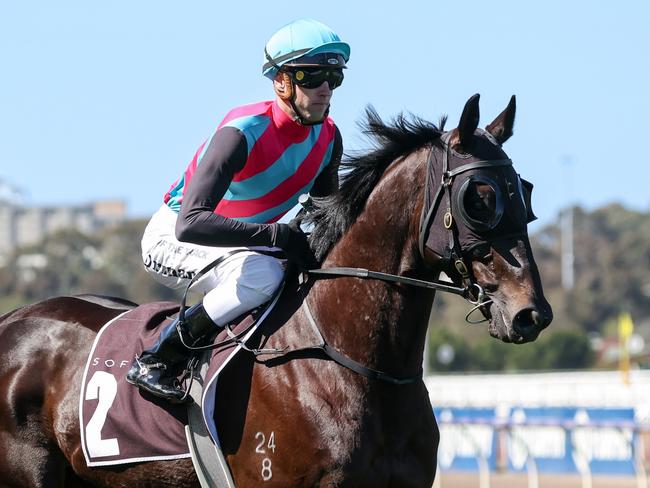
[(424, 201)]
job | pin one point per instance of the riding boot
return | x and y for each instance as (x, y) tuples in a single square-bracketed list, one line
[(156, 370)]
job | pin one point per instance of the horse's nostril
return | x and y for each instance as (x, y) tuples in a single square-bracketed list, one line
[(531, 318), (528, 322)]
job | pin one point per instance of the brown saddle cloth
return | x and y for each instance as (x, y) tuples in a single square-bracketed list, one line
[(122, 424)]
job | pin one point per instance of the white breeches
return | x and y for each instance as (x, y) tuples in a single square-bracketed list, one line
[(242, 282)]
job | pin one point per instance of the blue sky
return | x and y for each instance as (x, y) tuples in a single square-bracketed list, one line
[(111, 99)]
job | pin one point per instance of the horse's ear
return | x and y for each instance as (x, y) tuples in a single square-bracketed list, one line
[(468, 121), (501, 127)]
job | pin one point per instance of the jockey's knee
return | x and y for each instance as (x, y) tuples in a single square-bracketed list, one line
[(262, 275), (251, 297), (254, 283)]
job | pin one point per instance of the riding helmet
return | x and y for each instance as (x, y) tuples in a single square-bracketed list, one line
[(304, 42)]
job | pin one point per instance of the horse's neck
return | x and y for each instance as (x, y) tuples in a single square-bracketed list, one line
[(381, 324)]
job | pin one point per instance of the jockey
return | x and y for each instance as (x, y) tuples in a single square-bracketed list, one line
[(240, 182)]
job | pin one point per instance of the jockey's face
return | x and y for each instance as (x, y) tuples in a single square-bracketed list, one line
[(312, 103)]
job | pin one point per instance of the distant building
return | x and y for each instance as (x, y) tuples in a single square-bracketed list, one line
[(21, 225)]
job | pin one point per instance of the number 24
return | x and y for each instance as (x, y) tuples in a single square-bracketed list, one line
[(262, 438)]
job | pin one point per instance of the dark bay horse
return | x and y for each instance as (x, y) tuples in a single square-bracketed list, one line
[(424, 201)]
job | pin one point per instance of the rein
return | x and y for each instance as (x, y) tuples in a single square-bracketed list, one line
[(345, 361), (376, 275), (232, 337)]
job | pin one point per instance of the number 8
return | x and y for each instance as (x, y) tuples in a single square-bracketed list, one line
[(267, 474)]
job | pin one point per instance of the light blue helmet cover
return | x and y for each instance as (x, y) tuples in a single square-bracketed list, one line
[(304, 37)]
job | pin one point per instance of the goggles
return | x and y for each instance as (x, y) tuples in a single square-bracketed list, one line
[(314, 77)]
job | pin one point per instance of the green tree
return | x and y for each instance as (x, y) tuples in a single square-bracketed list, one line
[(565, 350), (558, 350)]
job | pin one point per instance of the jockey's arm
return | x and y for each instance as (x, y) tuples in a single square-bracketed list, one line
[(225, 156), (197, 223)]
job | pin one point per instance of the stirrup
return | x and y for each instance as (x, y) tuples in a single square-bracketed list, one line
[(189, 371)]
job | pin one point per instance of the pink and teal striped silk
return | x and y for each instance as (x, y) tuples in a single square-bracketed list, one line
[(284, 159)]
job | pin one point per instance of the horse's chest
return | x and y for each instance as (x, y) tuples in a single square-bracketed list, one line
[(329, 432)]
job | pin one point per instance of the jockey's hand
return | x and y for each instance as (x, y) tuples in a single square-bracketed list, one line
[(293, 241)]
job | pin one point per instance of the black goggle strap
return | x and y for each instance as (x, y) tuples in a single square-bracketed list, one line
[(271, 61)]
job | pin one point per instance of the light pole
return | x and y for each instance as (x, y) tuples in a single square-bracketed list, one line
[(566, 230)]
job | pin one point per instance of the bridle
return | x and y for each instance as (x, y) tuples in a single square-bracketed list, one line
[(470, 291), (430, 209)]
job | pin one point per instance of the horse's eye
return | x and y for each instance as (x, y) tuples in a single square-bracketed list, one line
[(478, 204), (480, 201)]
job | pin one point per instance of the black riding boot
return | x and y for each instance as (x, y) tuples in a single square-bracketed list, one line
[(156, 369)]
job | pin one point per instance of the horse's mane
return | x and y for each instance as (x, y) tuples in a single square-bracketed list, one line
[(333, 215)]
